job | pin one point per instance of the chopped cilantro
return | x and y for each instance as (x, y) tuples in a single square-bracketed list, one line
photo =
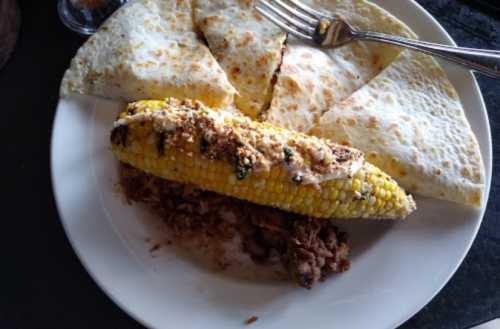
[(288, 154)]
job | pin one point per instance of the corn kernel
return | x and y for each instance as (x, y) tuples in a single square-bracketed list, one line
[(356, 185), (339, 184)]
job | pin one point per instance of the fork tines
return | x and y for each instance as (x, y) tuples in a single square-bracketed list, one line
[(293, 16)]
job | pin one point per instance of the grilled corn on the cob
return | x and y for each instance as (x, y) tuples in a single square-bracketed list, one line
[(187, 142)]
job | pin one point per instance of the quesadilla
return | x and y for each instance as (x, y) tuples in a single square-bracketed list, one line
[(311, 80), (409, 121), (148, 49), (247, 46)]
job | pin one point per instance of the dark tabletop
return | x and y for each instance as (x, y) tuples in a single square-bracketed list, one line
[(42, 283)]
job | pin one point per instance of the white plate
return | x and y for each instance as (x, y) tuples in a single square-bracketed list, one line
[(397, 268)]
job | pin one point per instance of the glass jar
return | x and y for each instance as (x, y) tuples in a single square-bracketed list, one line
[(85, 16)]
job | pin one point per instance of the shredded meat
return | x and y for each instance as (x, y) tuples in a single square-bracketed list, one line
[(315, 251), (310, 249)]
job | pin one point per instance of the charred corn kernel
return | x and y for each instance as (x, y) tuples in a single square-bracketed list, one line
[(366, 193)]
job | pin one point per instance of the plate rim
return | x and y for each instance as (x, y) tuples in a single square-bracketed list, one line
[(487, 190), (397, 322)]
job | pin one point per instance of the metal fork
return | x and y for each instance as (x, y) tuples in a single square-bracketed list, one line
[(328, 30)]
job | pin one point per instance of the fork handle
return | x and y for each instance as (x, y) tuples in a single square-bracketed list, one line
[(484, 61)]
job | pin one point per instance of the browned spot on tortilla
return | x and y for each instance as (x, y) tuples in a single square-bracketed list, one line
[(210, 19), (263, 60), (247, 37), (292, 86), (327, 94), (224, 44), (476, 198), (292, 107), (316, 117), (235, 71), (372, 155), (375, 59), (257, 16), (402, 173), (219, 56), (351, 122), (372, 122), (157, 53), (446, 164), (195, 67), (345, 143), (350, 76)]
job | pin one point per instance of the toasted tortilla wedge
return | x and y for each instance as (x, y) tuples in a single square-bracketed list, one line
[(312, 80), (409, 121), (247, 46), (148, 49)]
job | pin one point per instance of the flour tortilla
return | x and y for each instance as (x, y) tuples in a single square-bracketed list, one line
[(312, 80), (247, 46), (409, 121), (148, 49)]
